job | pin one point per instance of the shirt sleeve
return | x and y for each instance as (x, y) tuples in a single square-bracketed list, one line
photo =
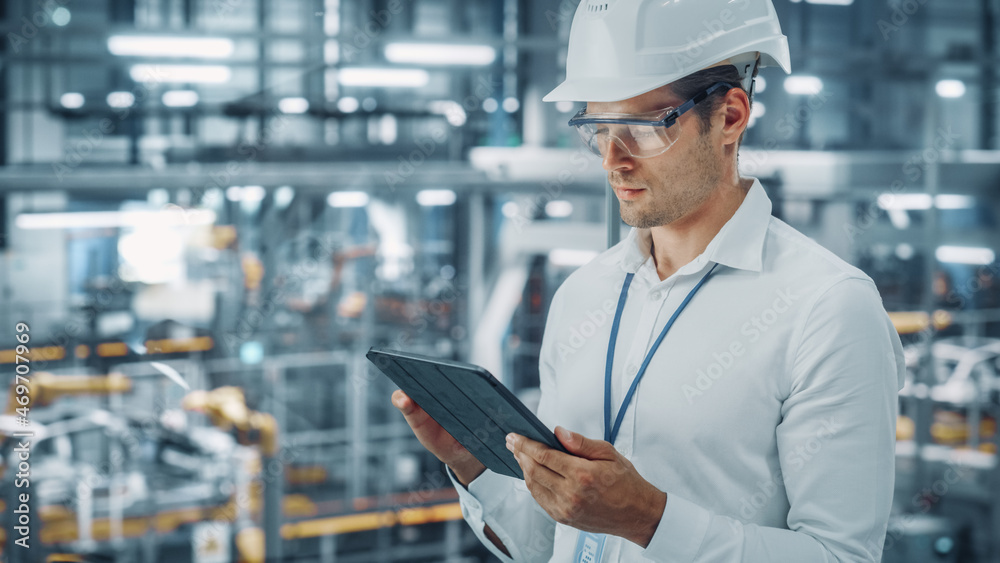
[(504, 503), (507, 507), (836, 446)]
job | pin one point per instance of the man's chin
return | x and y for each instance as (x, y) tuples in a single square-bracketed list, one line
[(643, 222), (636, 222)]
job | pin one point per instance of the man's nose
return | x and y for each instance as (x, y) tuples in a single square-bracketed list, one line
[(615, 157)]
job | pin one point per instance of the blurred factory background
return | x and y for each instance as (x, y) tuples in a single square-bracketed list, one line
[(210, 209)]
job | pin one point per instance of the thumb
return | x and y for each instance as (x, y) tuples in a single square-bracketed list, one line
[(581, 446)]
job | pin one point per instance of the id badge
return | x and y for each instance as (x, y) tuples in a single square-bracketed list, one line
[(589, 548)]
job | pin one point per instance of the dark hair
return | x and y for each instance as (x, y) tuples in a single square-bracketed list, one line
[(689, 86)]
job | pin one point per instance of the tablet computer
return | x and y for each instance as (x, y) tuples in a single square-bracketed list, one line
[(468, 402)]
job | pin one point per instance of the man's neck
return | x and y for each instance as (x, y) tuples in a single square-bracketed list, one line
[(681, 241)]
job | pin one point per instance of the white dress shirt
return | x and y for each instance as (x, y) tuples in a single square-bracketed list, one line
[(767, 414)]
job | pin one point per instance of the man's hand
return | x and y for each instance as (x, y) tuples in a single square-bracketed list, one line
[(445, 447), (437, 440), (596, 489)]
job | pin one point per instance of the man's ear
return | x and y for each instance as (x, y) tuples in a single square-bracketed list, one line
[(734, 114)]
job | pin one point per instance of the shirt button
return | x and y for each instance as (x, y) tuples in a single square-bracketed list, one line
[(632, 369), (655, 296), (625, 451)]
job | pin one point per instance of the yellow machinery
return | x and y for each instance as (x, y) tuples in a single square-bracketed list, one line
[(44, 388), (912, 322), (227, 409)]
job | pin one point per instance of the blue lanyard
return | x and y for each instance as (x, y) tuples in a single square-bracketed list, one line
[(611, 433)]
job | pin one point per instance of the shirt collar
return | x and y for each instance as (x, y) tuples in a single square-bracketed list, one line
[(739, 244)]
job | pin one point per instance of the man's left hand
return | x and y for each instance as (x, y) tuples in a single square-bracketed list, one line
[(595, 490)]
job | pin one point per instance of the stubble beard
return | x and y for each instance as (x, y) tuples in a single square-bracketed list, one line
[(667, 202)]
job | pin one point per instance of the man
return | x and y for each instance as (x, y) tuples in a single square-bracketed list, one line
[(764, 426)]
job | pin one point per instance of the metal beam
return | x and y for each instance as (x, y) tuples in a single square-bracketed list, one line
[(988, 78), (302, 176)]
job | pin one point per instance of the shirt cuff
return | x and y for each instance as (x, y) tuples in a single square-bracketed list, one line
[(472, 509), (485, 493), (680, 533)]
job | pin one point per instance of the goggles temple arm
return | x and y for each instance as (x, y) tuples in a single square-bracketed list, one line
[(668, 120), (699, 97)]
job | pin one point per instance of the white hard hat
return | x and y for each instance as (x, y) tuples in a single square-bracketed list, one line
[(619, 49)]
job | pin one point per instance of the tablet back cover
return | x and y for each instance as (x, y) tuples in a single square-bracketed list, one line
[(468, 402)]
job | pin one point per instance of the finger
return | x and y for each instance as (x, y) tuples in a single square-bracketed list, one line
[(402, 401), (545, 497), (581, 446), (540, 453), (539, 479), (536, 474), (414, 415)]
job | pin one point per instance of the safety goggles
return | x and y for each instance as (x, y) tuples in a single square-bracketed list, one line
[(641, 135)]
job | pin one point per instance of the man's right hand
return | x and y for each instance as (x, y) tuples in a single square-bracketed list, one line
[(437, 440), (440, 443)]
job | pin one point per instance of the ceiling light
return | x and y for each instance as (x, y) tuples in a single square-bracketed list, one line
[(565, 107), (180, 98), (950, 88), (115, 219), (383, 77), (283, 196), (431, 198), (510, 209), (905, 251), (293, 105), (252, 193), (154, 46), (922, 202), (72, 100), (803, 85), (195, 74), (965, 255), (61, 16), (440, 54), (559, 208), (905, 202), (120, 99), (151, 255), (347, 199), (954, 201), (348, 104)]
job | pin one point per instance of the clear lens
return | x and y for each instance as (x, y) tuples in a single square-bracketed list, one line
[(640, 135), (639, 141)]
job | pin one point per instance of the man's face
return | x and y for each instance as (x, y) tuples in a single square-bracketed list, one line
[(661, 189)]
